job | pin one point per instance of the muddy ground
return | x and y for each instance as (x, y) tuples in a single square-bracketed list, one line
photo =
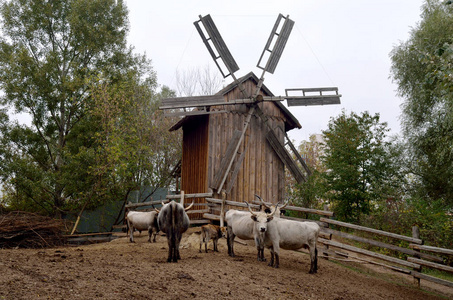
[(122, 270)]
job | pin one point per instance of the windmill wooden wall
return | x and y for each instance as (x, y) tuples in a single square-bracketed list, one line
[(206, 138)]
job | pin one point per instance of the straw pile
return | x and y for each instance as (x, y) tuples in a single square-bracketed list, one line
[(28, 230)]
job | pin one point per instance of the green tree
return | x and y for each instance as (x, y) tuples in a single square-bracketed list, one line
[(357, 163), (52, 54), (423, 67), (309, 194)]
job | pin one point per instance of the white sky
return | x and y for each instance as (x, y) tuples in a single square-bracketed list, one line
[(344, 43)]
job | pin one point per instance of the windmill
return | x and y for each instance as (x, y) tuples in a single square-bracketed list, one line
[(251, 100)]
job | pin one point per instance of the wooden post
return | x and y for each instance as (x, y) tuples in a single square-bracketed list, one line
[(222, 209), (326, 247), (182, 199), (416, 234)]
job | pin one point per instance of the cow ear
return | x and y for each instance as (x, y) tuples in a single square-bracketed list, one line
[(269, 219), (253, 218)]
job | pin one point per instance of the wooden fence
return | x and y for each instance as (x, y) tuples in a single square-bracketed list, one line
[(331, 238)]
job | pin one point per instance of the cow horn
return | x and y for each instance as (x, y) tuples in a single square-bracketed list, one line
[(284, 205), (262, 201), (189, 207), (248, 206), (158, 211)]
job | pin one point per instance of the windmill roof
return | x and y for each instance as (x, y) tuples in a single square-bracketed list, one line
[(291, 120)]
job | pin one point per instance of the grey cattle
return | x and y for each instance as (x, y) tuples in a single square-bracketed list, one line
[(241, 224), (290, 235), (142, 220), (173, 221)]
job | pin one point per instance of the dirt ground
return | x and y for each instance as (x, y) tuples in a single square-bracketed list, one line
[(123, 270)]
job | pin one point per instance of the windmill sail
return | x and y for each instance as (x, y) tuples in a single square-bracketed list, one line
[(277, 50), (222, 50)]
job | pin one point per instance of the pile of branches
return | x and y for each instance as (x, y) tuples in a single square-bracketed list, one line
[(28, 230)]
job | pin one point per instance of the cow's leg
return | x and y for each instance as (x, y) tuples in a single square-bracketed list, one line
[(131, 231), (201, 241), (277, 260), (316, 259), (214, 241), (271, 263), (177, 242), (206, 243), (150, 233), (313, 259), (276, 248), (155, 231), (230, 241), (170, 248)]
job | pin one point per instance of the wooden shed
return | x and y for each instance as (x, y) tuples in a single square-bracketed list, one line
[(256, 168)]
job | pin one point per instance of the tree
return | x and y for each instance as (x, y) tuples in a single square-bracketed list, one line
[(135, 147), (52, 54), (309, 194), (193, 82), (357, 163), (423, 67)]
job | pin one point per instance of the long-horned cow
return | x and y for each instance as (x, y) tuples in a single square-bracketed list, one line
[(142, 220), (290, 235), (241, 224), (173, 221)]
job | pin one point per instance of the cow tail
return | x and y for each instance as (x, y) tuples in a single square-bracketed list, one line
[(173, 225)]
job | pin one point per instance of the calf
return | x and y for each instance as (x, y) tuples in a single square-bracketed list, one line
[(211, 231), (173, 221), (141, 220)]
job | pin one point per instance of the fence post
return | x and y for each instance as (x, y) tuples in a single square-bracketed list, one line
[(326, 247), (182, 198), (416, 234), (222, 209)]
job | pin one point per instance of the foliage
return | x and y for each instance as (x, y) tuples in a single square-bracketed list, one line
[(309, 194), (423, 67), (135, 147), (91, 100), (357, 163)]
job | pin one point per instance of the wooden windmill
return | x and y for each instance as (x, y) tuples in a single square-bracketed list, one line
[(257, 120)]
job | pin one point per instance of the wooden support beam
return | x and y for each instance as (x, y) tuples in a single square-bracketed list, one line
[(246, 124), (296, 153), (284, 156), (226, 161)]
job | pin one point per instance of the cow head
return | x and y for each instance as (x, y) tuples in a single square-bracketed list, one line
[(261, 219), (222, 232), (273, 208)]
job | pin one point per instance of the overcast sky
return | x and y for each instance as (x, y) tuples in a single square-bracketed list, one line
[(344, 43)]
